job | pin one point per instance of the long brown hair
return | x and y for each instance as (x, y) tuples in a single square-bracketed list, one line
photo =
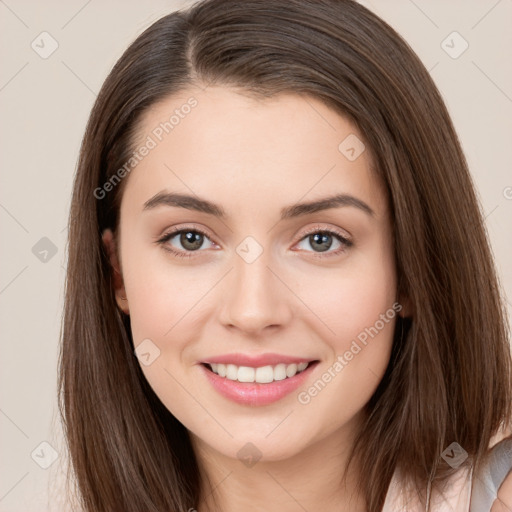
[(449, 377)]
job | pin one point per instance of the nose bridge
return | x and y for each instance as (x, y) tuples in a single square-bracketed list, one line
[(253, 297)]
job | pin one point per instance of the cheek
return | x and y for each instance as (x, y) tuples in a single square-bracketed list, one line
[(161, 293), (347, 309), (355, 308), (161, 300), (352, 298), (340, 302)]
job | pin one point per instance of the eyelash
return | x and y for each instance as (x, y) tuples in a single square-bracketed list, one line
[(345, 242)]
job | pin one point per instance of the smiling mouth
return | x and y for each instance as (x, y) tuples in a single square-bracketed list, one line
[(260, 375)]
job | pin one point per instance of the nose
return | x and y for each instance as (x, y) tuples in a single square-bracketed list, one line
[(254, 297)]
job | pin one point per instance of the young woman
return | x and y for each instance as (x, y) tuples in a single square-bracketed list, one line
[(280, 295)]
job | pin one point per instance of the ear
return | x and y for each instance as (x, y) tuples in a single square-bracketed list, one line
[(117, 278), (407, 310), (404, 299)]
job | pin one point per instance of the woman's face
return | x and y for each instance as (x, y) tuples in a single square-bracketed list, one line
[(274, 277)]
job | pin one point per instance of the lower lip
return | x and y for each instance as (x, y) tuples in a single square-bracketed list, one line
[(253, 393)]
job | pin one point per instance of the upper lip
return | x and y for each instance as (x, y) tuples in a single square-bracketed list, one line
[(256, 361)]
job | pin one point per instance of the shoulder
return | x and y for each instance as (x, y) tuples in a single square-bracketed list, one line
[(492, 485), (503, 501), (488, 490), (455, 497)]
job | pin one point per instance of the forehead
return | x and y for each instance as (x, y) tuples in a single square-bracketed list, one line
[(222, 142)]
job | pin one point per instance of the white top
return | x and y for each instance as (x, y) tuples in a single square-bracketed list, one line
[(467, 492)]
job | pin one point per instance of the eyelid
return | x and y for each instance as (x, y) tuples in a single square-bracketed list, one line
[(186, 227), (330, 229)]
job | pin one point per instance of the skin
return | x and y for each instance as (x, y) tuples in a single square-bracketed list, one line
[(503, 502), (254, 157)]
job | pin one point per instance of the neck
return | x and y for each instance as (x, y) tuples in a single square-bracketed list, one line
[(317, 478)]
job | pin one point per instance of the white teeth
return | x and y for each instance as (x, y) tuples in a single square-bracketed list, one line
[(221, 369), (291, 370), (262, 375), (280, 372), (231, 372), (245, 374)]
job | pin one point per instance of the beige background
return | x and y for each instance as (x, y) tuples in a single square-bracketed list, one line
[(44, 105)]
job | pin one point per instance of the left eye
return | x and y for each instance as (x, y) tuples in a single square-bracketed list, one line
[(322, 240)]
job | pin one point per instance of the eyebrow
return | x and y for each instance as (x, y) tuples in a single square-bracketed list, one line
[(188, 202)]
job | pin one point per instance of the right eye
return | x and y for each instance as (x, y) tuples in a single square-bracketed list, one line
[(190, 239)]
